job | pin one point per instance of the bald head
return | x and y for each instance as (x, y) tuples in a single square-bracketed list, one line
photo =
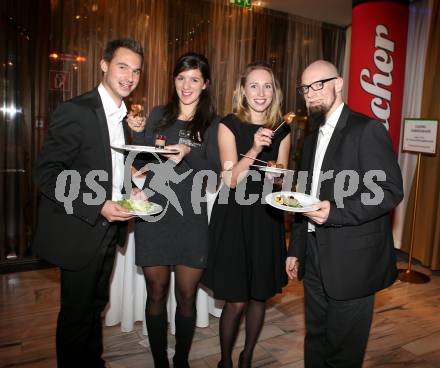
[(325, 87), (322, 66)]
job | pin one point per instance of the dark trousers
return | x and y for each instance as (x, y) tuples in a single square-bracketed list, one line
[(336, 330), (84, 295)]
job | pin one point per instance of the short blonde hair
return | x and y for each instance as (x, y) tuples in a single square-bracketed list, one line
[(241, 107)]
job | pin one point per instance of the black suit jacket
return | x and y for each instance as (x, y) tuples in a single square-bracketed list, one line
[(78, 140), (356, 248)]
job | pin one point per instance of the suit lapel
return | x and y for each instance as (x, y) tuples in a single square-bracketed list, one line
[(103, 128), (307, 160), (126, 130), (314, 140), (313, 154), (335, 139)]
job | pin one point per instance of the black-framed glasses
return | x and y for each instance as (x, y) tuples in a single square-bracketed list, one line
[(315, 86)]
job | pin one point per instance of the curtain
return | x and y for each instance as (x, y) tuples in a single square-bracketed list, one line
[(24, 41), (81, 30), (427, 229), (333, 45), (304, 45), (270, 42), (230, 50), (417, 44), (229, 36), (346, 69), (156, 57)]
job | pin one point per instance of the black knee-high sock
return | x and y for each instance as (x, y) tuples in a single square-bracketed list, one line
[(157, 335), (187, 280), (185, 327), (157, 280)]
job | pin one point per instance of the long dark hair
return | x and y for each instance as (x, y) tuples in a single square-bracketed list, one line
[(205, 111)]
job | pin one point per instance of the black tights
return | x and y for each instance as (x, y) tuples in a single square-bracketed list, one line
[(186, 282), (230, 323), (158, 280)]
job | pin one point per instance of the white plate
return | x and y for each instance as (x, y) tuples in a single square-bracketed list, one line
[(271, 169), (136, 148), (304, 199), (154, 210)]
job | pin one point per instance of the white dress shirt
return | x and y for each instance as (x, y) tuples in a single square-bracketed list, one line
[(324, 136), (114, 116)]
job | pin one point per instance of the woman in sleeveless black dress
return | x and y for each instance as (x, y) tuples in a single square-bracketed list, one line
[(247, 246), (178, 241)]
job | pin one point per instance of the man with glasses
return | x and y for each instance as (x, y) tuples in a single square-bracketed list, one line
[(343, 249)]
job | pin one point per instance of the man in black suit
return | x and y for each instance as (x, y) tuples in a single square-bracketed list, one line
[(81, 223), (343, 249)]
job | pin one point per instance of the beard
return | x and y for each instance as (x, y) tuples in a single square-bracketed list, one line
[(317, 116)]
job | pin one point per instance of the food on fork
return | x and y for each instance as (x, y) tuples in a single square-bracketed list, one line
[(136, 110), (288, 118), (136, 119), (275, 164)]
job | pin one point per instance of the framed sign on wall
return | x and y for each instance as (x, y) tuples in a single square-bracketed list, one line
[(420, 136)]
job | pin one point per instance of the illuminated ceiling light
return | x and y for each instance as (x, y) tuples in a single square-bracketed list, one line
[(10, 63), (67, 57), (78, 16)]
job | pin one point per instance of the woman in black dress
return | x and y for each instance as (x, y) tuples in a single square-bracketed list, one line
[(247, 245), (178, 241)]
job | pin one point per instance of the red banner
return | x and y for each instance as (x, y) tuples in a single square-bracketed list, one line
[(377, 62)]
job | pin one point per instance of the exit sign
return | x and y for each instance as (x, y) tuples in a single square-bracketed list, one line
[(242, 3)]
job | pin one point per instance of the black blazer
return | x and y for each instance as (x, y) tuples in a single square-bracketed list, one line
[(356, 248), (78, 140)]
